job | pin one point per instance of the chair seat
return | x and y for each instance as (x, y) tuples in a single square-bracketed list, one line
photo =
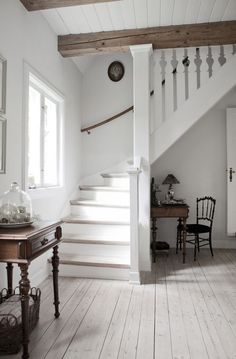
[(197, 228)]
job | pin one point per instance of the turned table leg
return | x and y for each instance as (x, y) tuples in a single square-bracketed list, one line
[(55, 265), (184, 239), (24, 292), (154, 236), (9, 268)]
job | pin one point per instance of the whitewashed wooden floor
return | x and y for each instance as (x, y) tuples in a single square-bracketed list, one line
[(182, 311)]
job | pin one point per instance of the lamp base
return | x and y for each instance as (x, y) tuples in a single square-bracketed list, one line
[(171, 194)]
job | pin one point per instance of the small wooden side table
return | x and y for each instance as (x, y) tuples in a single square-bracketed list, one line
[(168, 211), (21, 246)]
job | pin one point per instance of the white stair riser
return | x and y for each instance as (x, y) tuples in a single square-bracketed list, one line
[(100, 229), (117, 182), (107, 197), (103, 250), (66, 270), (96, 212)]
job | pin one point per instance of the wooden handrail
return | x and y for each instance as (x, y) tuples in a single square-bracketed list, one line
[(89, 128)]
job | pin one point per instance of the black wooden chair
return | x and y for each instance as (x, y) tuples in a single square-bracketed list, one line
[(203, 226)]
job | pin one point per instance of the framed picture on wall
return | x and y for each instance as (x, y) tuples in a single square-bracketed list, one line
[(3, 83), (3, 130)]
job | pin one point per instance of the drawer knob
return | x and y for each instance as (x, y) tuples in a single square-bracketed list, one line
[(44, 241)]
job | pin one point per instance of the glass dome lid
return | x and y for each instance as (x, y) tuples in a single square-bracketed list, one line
[(15, 208)]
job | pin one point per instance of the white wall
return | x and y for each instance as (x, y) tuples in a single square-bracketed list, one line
[(102, 98), (27, 37), (198, 160)]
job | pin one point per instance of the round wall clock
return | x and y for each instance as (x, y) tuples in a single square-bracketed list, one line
[(116, 71)]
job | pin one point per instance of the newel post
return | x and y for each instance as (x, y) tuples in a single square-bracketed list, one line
[(141, 133), (134, 226)]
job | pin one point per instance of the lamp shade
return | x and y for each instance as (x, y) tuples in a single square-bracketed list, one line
[(170, 179)]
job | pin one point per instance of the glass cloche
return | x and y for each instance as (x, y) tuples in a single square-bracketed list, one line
[(15, 208)]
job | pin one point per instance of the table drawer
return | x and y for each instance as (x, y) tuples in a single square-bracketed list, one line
[(43, 242), (169, 212)]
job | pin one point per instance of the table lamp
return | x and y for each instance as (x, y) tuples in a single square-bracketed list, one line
[(170, 180)]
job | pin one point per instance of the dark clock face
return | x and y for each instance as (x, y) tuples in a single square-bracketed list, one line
[(116, 71)]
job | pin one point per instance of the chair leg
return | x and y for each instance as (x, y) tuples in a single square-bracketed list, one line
[(179, 236), (211, 245), (180, 239), (177, 241), (198, 246), (195, 248)]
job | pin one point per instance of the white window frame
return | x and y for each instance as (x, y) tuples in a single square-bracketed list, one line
[(34, 79)]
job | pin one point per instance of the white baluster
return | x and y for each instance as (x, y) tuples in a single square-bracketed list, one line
[(215, 51), (192, 73), (204, 74), (198, 63), (152, 104), (174, 63), (163, 88), (157, 90), (186, 64), (169, 96), (210, 62), (222, 58), (180, 78)]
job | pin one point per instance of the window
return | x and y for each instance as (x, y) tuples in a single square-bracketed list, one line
[(44, 113)]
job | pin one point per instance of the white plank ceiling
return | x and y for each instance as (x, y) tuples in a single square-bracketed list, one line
[(131, 14)]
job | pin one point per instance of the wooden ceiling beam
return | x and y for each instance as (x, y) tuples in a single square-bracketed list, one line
[(33, 5), (194, 35)]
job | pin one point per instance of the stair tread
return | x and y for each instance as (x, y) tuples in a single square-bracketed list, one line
[(115, 175), (75, 219), (103, 188), (88, 202), (94, 239), (68, 258)]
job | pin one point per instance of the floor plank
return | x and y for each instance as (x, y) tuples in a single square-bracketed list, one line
[(115, 331), (182, 311), (163, 344), (195, 338), (88, 340)]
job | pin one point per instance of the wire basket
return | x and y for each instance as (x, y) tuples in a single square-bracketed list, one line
[(11, 319)]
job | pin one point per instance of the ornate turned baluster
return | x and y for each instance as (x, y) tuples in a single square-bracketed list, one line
[(180, 78), (163, 87), (210, 61), (192, 73), (198, 63), (158, 90), (174, 63), (169, 92)]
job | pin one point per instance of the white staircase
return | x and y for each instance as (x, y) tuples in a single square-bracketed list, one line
[(96, 235)]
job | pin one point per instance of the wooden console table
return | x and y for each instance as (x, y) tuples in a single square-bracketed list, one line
[(168, 211), (21, 246)]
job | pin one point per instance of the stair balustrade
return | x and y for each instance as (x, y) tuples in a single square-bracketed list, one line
[(179, 73)]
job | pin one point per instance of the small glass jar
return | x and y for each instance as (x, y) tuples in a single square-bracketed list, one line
[(15, 207)]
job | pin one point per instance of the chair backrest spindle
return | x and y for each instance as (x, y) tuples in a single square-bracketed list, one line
[(205, 209)]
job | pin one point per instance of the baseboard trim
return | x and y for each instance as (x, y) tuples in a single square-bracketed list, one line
[(134, 278)]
